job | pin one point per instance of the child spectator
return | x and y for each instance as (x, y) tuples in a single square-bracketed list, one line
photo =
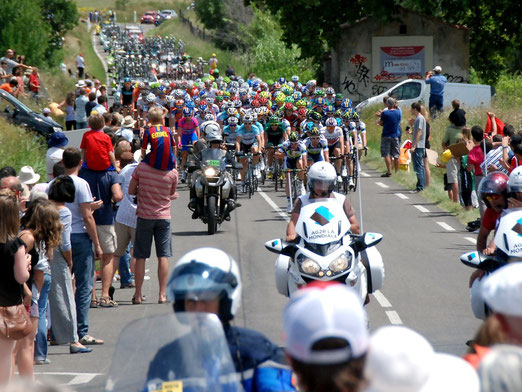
[(161, 141), (97, 150)]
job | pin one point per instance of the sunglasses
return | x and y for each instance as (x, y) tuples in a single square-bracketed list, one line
[(233, 125), (490, 198)]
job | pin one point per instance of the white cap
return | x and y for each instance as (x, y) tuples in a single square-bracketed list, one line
[(398, 360), (401, 360), (321, 311), (502, 290), (438, 68)]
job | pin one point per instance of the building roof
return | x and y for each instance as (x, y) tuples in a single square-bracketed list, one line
[(434, 19)]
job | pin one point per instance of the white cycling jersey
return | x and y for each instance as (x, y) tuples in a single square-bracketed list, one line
[(333, 137)]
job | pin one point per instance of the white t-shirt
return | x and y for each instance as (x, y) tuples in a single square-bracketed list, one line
[(53, 156), (80, 62)]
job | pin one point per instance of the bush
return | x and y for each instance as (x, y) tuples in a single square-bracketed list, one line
[(509, 90)]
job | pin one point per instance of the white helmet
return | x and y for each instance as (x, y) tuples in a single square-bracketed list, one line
[(515, 180), (150, 98), (233, 120), (209, 117), (206, 273), (323, 174), (209, 127)]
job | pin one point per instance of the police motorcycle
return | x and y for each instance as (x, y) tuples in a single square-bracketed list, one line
[(213, 195), (325, 250), (173, 352), (508, 243)]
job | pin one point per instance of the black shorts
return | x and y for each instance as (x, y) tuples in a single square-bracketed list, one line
[(337, 144), (314, 157), (274, 140), (246, 147), (290, 163)]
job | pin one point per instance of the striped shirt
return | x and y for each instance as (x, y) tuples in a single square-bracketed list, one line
[(126, 214), (161, 142), (493, 158), (156, 189)]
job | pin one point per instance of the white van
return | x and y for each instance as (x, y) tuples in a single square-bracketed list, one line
[(414, 90)]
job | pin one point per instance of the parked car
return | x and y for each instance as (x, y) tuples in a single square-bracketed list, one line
[(168, 14), (414, 90), (16, 112), (149, 17)]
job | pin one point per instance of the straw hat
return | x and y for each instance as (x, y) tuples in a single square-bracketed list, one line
[(28, 176)]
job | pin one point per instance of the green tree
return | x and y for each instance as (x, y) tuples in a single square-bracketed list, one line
[(211, 13)]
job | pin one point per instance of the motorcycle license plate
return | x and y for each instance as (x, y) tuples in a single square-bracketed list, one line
[(214, 162), (169, 386)]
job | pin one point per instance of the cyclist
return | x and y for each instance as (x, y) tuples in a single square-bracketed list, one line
[(294, 153), (230, 130), (330, 96), (248, 140), (275, 135), (290, 116), (316, 147), (188, 127), (338, 100), (208, 280), (126, 96), (335, 138), (321, 183)]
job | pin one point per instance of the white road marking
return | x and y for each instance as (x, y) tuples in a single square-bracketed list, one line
[(421, 208), (383, 301), (78, 379), (381, 185), (272, 204), (81, 379), (400, 195), (364, 174), (472, 240), (445, 226), (393, 316)]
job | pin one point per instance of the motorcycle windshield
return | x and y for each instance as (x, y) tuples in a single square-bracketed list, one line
[(174, 352), (508, 234), (212, 157), (322, 222)]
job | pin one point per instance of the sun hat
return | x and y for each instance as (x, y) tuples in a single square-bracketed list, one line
[(321, 311), (28, 176), (128, 122), (57, 139), (450, 373), (502, 290), (81, 83)]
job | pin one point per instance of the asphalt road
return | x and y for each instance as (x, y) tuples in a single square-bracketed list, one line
[(425, 286)]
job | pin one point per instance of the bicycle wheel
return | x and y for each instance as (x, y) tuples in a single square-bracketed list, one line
[(355, 177), (276, 175)]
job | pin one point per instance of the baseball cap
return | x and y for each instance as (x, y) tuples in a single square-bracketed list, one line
[(438, 68), (46, 111), (502, 290), (321, 311), (401, 360)]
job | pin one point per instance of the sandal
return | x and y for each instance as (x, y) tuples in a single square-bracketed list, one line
[(135, 301), (88, 340), (94, 303), (107, 302)]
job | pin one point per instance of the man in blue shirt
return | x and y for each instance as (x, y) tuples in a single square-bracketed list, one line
[(437, 81), (390, 121)]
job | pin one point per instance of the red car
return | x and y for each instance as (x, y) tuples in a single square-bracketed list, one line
[(149, 17)]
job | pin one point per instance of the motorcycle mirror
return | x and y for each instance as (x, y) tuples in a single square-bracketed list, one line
[(371, 239), (275, 246)]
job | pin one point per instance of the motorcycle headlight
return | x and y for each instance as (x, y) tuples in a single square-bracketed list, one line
[(341, 263), (210, 172), (58, 129), (310, 267)]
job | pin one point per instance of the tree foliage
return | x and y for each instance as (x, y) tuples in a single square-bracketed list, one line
[(211, 13), (496, 26), (35, 28)]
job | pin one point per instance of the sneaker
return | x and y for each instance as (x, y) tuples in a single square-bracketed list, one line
[(344, 172), (45, 361), (351, 184), (257, 173), (339, 179), (243, 187), (289, 208), (261, 165), (183, 177), (386, 175)]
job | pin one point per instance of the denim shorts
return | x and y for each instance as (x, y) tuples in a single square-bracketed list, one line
[(146, 230)]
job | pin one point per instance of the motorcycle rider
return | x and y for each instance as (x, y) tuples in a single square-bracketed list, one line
[(321, 182), (208, 280)]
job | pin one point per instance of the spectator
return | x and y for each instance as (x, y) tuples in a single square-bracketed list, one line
[(97, 149), (14, 271), (91, 104), (28, 176), (418, 146), (84, 239), (502, 292), (161, 140), (70, 111), (326, 337), (46, 112), (427, 170), (11, 63), (453, 133), (96, 88), (437, 81), (230, 71), (4, 76), (154, 189), (7, 171), (475, 159), (213, 62), (11, 87), (20, 79), (501, 369), (81, 110), (80, 65), (34, 83), (100, 106), (126, 130), (56, 143), (458, 116), (390, 121)]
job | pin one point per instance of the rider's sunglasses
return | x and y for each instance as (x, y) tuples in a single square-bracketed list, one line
[(330, 127), (490, 198), (233, 125), (315, 138), (247, 122)]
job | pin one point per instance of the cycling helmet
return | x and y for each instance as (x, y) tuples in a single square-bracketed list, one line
[(311, 83), (282, 80), (515, 180), (493, 185), (315, 116), (178, 93), (346, 104), (289, 106), (320, 93), (293, 137), (330, 90), (331, 122), (219, 98), (289, 99), (203, 107), (295, 78), (338, 97), (338, 113), (190, 105), (301, 103), (315, 132), (321, 176), (297, 95), (170, 99), (226, 94), (233, 121), (274, 120), (141, 85), (209, 117), (319, 102), (210, 127), (243, 91), (206, 274), (180, 103), (309, 126), (301, 112), (255, 103), (263, 101), (232, 111), (237, 103), (329, 109), (287, 90), (248, 118), (355, 116), (347, 116), (150, 98), (187, 111), (213, 136), (280, 98), (264, 94)]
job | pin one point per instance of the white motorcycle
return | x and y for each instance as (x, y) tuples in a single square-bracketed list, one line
[(508, 241), (326, 251)]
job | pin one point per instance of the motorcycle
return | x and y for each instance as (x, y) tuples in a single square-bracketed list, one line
[(213, 194), (326, 251), (173, 352), (508, 250)]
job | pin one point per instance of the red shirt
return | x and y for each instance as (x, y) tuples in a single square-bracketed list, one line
[(476, 157), (33, 79), (7, 87), (97, 146), (489, 220)]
